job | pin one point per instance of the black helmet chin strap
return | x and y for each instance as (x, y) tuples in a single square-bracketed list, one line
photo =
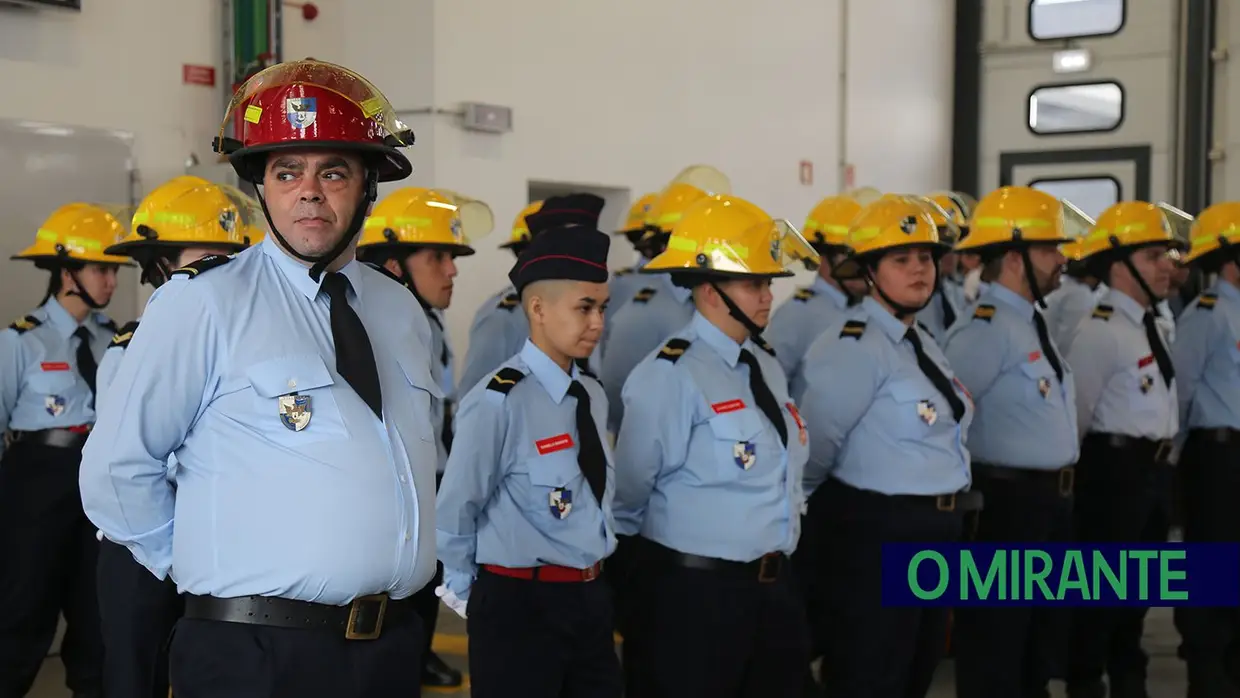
[(81, 292), (1035, 288), (321, 262), (902, 311), (734, 310), (1132, 269)]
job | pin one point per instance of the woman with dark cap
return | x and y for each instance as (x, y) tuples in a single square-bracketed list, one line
[(524, 512)]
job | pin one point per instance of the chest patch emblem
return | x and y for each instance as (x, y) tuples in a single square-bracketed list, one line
[(561, 502), (744, 454), (295, 411), (54, 404), (927, 412)]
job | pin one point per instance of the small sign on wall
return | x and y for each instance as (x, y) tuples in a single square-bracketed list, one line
[(807, 172), (198, 75), (850, 176)]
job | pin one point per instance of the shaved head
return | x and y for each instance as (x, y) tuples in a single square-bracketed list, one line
[(566, 317)]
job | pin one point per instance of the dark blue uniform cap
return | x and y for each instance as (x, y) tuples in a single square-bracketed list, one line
[(565, 243)]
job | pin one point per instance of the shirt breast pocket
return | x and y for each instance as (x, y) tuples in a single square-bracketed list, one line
[(416, 405), (1142, 386), (556, 485), (919, 409), (737, 444), (293, 394), (1039, 379), (51, 382)]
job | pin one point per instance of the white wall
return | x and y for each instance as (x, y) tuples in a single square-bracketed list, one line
[(608, 94)]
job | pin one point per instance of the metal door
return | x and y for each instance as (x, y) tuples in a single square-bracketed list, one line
[(1080, 98)]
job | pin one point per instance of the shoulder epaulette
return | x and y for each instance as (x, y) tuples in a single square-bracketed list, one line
[(984, 311), (1103, 311), (623, 272), (764, 345), (509, 302), (1207, 301), (25, 324), (804, 294), (386, 272), (674, 349), (853, 328), (644, 295), (505, 380), (207, 263), (122, 337)]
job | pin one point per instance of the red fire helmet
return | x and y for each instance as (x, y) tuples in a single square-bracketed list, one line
[(312, 104)]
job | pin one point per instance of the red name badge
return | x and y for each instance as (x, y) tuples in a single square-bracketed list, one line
[(552, 444), (1145, 361), (54, 366), (728, 406), (1034, 356)]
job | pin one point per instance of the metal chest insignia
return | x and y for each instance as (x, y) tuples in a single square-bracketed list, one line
[(1044, 386), (54, 404), (927, 412), (1147, 382), (745, 455), (561, 502), (295, 411)]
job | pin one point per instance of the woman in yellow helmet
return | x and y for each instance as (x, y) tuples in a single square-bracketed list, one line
[(1128, 415), (708, 470), (48, 366), (887, 421), (625, 282)]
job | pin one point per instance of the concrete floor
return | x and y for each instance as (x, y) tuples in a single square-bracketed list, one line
[(1167, 678)]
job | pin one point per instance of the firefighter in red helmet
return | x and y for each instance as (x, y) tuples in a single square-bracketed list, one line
[(294, 385)]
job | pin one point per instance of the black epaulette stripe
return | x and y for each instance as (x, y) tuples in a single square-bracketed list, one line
[(509, 301), (674, 349), (984, 312), (804, 294), (1207, 301), (25, 324), (645, 295), (1103, 312), (853, 328), (211, 261), (505, 380), (122, 337)]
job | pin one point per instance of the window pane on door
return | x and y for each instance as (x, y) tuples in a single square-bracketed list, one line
[(1092, 195), (1071, 19), (1081, 108)]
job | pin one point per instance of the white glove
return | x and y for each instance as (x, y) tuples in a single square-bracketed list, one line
[(451, 599)]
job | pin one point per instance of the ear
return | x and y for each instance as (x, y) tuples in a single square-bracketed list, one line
[(393, 266)]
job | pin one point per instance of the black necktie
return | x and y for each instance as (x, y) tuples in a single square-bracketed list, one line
[(86, 365), (590, 456), (1158, 348), (936, 375), (762, 393), (1044, 338), (949, 313), (355, 359)]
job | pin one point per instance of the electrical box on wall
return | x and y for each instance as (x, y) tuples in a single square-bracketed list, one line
[(35, 4), (486, 117)]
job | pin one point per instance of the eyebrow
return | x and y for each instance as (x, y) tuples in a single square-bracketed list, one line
[(291, 163), (593, 301)]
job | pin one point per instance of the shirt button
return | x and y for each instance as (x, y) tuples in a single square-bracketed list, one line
[(402, 478), (407, 536)]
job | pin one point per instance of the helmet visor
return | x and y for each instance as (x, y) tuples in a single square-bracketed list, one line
[(704, 177), (477, 220)]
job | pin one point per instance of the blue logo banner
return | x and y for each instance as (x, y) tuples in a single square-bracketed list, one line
[(1048, 574)]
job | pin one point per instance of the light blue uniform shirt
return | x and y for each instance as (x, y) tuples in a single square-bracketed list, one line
[(40, 387), (933, 317), (639, 328), (441, 373), (1026, 418), (323, 504), (1207, 360), (109, 365), (798, 322), (876, 422), (1068, 306), (513, 494), (625, 283), (699, 467), (1118, 387), (499, 331)]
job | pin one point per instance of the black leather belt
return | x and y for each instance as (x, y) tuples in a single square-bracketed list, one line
[(964, 501), (360, 620), (1218, 435), (1160, 447), (57, 438), (1063, 479), (765, 569)]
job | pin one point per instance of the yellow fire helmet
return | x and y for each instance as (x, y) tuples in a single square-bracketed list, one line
[(1132, 224), (435, 218), (635, 224), (1215, 231), (863, 195), (949, 229), (892, 223), (1015, 215), (693, 184), (520, 230), (827, 225), (77, 232), (724, 235), (189, 211)]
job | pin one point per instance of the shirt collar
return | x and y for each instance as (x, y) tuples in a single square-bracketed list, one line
[(60, 318), (553, 378), (837, 296), (886, 322), (299, 275), (1009, 297), (722, 344), (1126, 303), (1224, 288)]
